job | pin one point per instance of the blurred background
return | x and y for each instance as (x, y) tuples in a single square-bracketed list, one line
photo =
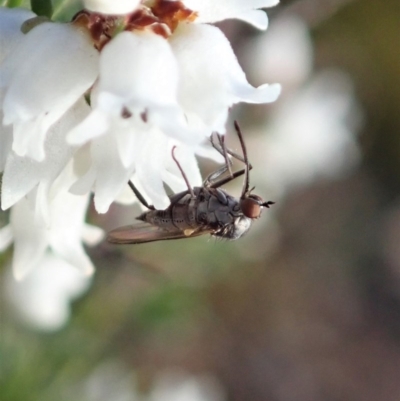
[(306, 307)]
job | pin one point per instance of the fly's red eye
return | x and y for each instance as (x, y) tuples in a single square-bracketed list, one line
[(250, 208)]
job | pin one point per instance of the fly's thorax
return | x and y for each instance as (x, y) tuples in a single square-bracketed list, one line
[(222, 213), (215, 208)]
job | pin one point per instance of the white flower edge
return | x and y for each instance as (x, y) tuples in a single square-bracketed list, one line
[(114, 7), (210, 11)]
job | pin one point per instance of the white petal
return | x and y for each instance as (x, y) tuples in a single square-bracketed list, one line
[(284, 54), (6, 137), (67, 222), (214, 11), (11, 20), (92, 235), (111, 7), (257, 18), (204, 52), (317, 140), (44, 81), (106, 175), (6, 237), (139, 74), (149, 167), (139, 66), (96, 124), (42, 299), (30, 239), (22, 173)]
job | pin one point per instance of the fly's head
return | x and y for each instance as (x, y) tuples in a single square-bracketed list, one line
[(252, 205), (248, 208)]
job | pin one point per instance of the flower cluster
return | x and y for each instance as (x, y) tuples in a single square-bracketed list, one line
[(87, 106)]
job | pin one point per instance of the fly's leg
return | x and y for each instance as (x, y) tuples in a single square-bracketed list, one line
[(223, 150), (220, 148), (190, 189), (140, 196)]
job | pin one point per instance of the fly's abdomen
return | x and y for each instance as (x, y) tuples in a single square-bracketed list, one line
[(180, 215)]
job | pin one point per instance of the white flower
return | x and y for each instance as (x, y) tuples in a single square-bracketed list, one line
[(23, 174), (11, 35), (43, 299), (32, 237), (43, 77), (284, 55), (180, 386), (211, 78), (312, 129), (318, 139)]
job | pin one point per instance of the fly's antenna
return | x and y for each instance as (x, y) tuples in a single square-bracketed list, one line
[(190, 189), (267, 204), (246, 184)]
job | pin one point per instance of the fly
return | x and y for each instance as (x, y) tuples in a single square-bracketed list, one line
[(199, 210)]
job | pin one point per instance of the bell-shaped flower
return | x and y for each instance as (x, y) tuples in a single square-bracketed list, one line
[(62, 235), (43, 77), (11, 35), (135, 114), (23, 174), (211, 79), (138, 84)]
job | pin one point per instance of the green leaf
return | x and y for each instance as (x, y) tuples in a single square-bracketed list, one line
[(42, 7), (12, 3)]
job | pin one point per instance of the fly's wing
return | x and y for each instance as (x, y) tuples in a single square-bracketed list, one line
[(142, 233)]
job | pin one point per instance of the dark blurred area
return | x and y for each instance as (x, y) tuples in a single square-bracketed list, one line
[(304, 308)]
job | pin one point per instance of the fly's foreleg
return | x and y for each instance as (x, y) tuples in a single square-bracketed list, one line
[(211, 181)]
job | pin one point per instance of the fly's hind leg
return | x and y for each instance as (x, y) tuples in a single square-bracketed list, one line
[(140, 196)]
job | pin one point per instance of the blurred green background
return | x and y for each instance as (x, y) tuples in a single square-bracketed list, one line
[(305, 307)]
